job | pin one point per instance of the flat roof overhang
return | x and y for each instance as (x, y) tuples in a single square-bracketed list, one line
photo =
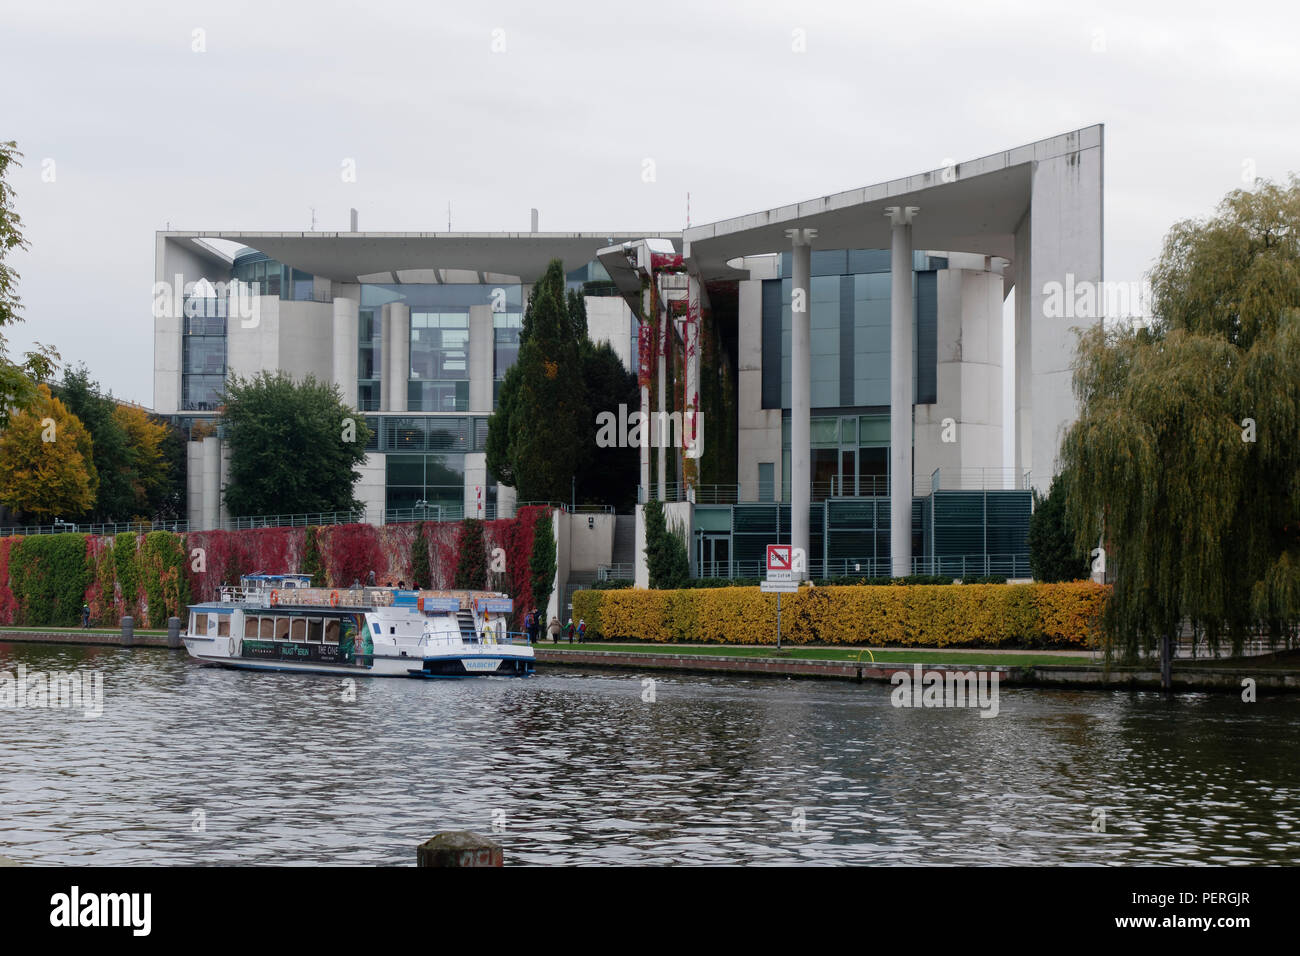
[(974, 207), (349, 256)]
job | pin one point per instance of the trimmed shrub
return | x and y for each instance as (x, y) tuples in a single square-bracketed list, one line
[(983, 615)]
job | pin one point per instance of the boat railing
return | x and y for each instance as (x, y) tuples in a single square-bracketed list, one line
[(454, 639), (265, 597)]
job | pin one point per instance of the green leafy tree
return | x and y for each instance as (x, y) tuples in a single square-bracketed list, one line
[(294, 446), (18, 380), (421, 571), (1053, 555), (665, 551), (542, 424), (1185, 451), (541, 563), (471, 556), (136, 478)]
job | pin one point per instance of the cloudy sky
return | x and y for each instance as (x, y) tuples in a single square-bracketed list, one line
[(131, 121)]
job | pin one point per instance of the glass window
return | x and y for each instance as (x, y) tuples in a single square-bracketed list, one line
[(200, 624), (281, 628), (250, 627), (266, 631), (332, 631), (298, 629)]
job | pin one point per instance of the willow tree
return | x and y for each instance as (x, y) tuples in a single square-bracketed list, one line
[(1185, 455)]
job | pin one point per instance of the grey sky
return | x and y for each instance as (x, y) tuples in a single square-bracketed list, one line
[(252, 133)]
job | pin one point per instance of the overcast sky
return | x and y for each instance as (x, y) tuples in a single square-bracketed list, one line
[(127, 130)]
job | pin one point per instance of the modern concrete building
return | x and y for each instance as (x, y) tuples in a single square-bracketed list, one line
[(837, 349)]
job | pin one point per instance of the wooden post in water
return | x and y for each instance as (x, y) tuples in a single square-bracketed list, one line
[(459, 848)]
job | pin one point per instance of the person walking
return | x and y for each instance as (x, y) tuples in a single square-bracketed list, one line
[(553, 629), (568, 629), (536, 634), (530, 627), (582, 630), (85, 615)]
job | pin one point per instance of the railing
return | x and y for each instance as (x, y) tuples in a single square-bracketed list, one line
[(700, 494), (975, 479), (96, 529), (615, 572), (294, 521), (445, 512)]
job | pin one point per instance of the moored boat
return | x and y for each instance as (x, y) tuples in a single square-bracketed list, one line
[(279, 622)]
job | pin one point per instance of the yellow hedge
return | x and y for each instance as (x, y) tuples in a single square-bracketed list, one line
[(924, 615)]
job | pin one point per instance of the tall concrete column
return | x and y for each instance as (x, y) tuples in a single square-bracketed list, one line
[(901, 390), (482, 352), (643, 374), (661, 429), (385, 352), (399, 356), (211, 482), (691, 432), (346, 321), (800, 388)]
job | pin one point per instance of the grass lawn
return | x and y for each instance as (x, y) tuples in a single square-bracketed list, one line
[(923, 656)]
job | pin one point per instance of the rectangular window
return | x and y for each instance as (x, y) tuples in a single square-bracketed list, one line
[(200, 624), (766, 481), (298, 629), (331, 632), (281, 628), (314, 629), (266, 630), (223, 626), (250, 627)]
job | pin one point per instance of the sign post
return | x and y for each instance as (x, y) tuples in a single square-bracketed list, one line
[(780, 579)]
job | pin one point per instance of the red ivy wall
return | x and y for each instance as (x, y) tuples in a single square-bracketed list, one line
[(348, 553)]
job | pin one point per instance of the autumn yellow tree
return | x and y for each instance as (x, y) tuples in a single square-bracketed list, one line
[(148, 466), (46, 460)]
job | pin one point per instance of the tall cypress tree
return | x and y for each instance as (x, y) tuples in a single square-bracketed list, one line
[(548, 428), (471, 557)]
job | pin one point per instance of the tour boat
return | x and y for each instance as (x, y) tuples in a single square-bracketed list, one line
[(279, 622)]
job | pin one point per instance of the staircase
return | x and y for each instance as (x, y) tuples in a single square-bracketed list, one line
[(466, 621), (624, 540)]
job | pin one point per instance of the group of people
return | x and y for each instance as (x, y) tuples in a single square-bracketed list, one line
[(533, 628)]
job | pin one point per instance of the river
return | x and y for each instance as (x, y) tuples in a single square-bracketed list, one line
[(199, 766)]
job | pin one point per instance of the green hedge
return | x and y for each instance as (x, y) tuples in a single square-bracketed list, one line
[(48, 575)]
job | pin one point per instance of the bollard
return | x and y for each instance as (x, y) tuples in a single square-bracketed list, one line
[(458, 848), (173, 632), (128, 632)]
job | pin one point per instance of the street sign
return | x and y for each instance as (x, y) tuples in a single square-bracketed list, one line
[(778, 587), (780, 562)]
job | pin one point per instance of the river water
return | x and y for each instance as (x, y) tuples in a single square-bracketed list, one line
[(193, 765)]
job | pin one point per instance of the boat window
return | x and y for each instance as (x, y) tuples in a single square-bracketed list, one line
[(298, 630), (250, 627), (281, 628), (331, 632), (314, 630), (375, 625), (267, 628), (223, 625), (200, 624)]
